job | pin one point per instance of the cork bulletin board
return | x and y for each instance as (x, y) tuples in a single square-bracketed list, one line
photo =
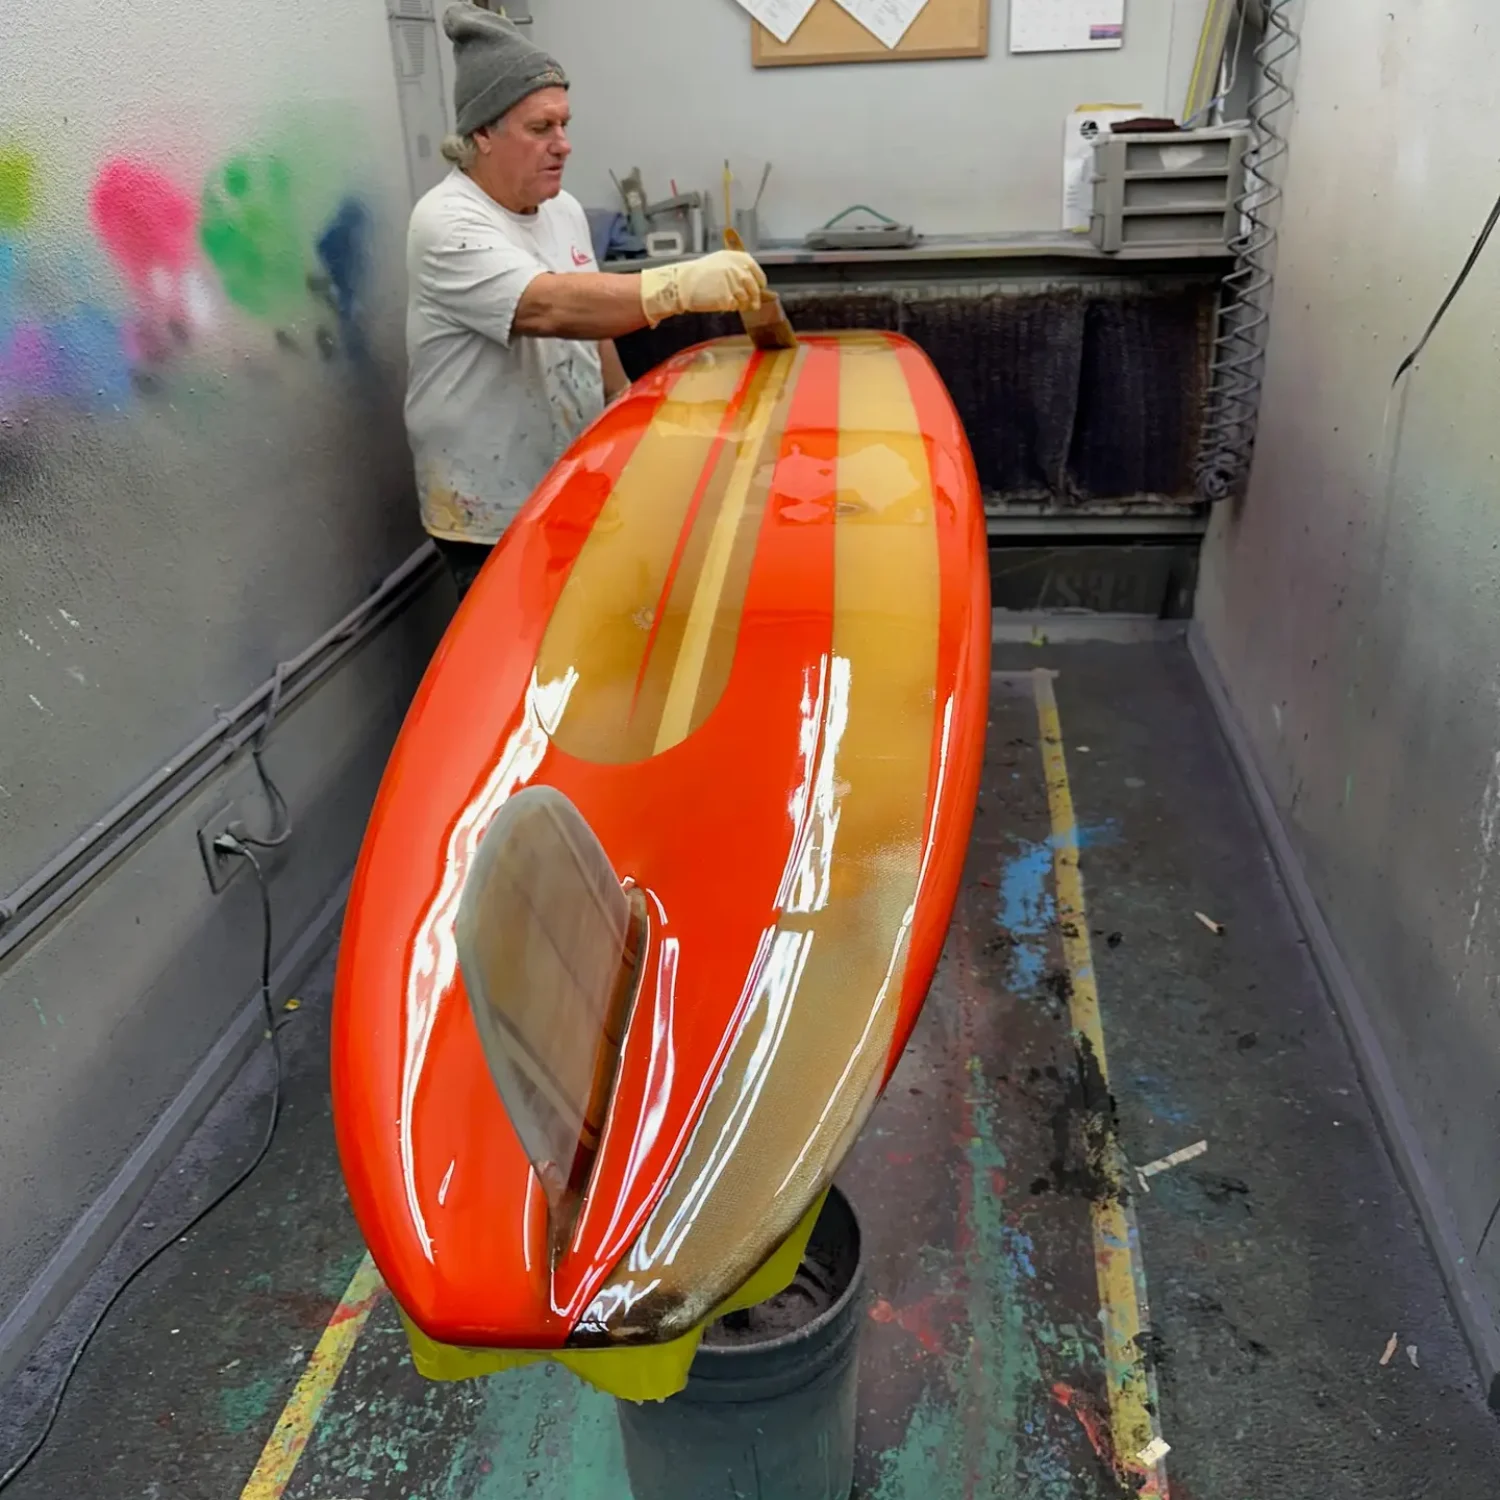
[(829, 34)]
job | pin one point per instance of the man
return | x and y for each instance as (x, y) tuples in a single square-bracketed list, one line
[(510, 323)]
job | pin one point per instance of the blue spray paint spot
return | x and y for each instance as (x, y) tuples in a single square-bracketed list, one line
[(1027, 908), (10, 277), (344, 250), (92, 367)]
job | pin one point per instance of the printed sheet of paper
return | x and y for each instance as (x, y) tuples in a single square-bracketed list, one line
[(886, 20), (780, 17), (1066, 25)]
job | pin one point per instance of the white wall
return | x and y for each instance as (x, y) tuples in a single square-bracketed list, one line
[(1353, 601), (965, 146)]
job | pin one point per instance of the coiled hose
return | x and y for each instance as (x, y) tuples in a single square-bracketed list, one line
[(1228, 438)]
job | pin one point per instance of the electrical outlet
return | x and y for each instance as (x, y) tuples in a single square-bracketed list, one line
[(220, 866)]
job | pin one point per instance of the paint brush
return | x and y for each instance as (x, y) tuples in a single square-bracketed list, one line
[(765, 177), (768, 325)]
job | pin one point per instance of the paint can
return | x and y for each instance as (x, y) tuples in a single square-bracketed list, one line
[(770, 1403)]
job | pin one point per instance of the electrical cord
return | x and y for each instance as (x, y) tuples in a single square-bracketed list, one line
[(226, 843), (281, 814)]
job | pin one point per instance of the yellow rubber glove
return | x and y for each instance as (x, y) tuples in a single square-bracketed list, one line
[(726, 281)]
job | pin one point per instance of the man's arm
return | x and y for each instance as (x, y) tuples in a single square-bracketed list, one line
[(615, 379), (580, 305), (603, 305)]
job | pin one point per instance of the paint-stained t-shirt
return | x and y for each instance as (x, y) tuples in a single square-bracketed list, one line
[(488, 414)]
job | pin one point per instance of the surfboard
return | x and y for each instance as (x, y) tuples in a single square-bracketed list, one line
[(664, 856)]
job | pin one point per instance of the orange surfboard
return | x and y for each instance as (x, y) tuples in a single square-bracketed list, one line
[(741, 632)]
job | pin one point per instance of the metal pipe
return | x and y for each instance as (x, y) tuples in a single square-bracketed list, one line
[(293, 678)]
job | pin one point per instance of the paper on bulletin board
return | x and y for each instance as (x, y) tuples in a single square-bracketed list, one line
[(780, 17), (886, 20), (1087, 124), (1066, 25)]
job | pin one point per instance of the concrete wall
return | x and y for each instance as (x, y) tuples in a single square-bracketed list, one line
[(202, 468), (1353, 601), (955, 147)]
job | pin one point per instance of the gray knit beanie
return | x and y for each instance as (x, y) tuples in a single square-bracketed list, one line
[(497, 66)]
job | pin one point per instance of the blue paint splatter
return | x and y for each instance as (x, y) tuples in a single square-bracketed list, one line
[(1020, 1248), (1027, 911), (1154, 1095), (1027, 908)]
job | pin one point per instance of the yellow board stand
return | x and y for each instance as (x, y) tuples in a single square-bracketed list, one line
[(650, 1373)]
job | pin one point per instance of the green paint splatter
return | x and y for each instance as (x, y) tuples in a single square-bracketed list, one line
[(986, 1414), (545, 1434), (17, 189), (245, 1407), (37, 1006), (334, 1279), (972, 1425), (249, 232)]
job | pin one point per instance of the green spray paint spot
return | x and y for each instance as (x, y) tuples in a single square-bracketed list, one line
[(246, 1406), (249, 232), (17, 189), (37, 1006)]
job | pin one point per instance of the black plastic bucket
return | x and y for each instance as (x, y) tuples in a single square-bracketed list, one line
[(769, 1408)]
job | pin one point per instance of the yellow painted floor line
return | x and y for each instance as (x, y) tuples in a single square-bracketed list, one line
[(289, 1439), (1134, 1424)]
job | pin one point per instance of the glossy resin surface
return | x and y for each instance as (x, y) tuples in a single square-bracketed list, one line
[(744, 627)]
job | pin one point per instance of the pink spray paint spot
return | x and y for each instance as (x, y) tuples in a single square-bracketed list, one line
[(149, 226), (145, 221)]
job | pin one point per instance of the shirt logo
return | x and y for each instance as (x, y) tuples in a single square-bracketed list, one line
[(579, 258)]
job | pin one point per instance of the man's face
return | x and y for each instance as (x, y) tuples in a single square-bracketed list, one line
[(523, 152)]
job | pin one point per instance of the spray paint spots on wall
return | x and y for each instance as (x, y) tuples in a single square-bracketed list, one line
[(145, 222), (249, 232), (344, 252), (149, 225), (17, 188)]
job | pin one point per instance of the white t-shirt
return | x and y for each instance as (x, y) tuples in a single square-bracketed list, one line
[(488, 415)]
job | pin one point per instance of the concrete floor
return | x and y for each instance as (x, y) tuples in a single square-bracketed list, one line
[(1278, 1264)]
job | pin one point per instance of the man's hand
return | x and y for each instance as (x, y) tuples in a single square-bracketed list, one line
[(727, 281)]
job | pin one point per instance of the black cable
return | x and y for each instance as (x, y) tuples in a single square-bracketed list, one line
[(1484, 1239), (1453, 291), (229, 845)]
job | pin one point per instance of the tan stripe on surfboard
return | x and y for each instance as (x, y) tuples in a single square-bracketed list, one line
[(824, 1007), (715, 609), (601, 625), (664, 670), (628, 668)]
